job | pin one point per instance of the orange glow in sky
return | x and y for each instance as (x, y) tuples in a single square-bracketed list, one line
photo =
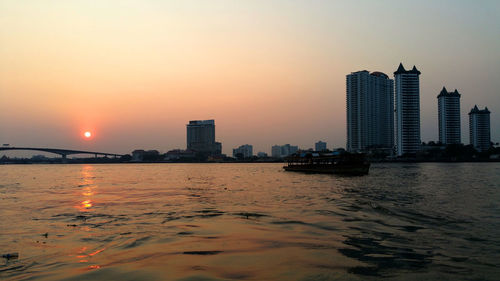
[(268, 72)]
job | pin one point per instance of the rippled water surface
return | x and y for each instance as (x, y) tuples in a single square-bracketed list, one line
[(249, 222)]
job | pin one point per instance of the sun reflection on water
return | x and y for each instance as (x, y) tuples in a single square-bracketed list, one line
[(86, 203), (88, 189)]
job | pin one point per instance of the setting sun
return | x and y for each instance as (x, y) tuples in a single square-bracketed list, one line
[(87, 134)]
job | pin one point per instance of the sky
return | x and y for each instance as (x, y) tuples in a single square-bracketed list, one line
[(269, 72)]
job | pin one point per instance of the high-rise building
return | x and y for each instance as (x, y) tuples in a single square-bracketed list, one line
[(201, 137), (407, 110), (449, 117), (288, 149), (320, 146), (370, 110), (246, 151), (479, 126), (276, 151)]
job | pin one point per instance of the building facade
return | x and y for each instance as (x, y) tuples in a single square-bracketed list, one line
[(320, 146), (279, 151), (201, 137), (261, 154), (179, 154), (407, 110), (370, 110), (218, 148), (276, 151), (479, 128), (245, 150), (449, 117), (288, 149)]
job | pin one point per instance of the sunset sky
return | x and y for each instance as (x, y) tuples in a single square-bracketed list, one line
[(269, 72)]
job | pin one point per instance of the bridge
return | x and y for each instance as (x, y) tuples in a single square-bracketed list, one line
[(62, 152)]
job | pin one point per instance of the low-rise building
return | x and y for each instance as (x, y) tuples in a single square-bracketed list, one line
[(140, 155), (179, 155), (245, 151), (320, 146), (261, 154)]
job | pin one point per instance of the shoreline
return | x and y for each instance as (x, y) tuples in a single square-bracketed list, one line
[(241, 162)]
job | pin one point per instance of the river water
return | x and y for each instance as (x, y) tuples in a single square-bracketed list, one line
[(249, 222)]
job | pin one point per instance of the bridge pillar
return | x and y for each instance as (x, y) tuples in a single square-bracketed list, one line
[(96, 155)]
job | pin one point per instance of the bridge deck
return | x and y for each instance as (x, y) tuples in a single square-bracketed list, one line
[(59, 151)]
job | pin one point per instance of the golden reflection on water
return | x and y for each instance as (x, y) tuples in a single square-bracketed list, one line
[(232, 222), (88, 189), (86, 204)]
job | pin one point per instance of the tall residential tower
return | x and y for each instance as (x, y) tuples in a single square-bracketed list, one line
[(370, 108), (479, 126), (407, 112), (449, 117)]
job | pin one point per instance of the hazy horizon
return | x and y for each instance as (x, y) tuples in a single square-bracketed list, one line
[(268, 72)]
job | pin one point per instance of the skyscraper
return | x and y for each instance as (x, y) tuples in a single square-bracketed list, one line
[(407, 111), (479, 126), (370, 110), (449, 117), (201, 137)]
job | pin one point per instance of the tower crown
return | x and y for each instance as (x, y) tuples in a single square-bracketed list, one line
[(445, 93), (401, 70)]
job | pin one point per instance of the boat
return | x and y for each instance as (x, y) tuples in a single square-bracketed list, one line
[(331, 163)]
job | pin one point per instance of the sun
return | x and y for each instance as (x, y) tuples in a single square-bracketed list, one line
[(87, 134)]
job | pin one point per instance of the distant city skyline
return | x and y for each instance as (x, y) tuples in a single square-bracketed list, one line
[(133, 72)]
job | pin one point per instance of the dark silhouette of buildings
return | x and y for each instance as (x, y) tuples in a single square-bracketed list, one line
[(243, 151), (320, 146), (479, 128), (449, 117), (407, 110), (279, 151), (140, 155), (201, 137), (370, 110), (180, 155)]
